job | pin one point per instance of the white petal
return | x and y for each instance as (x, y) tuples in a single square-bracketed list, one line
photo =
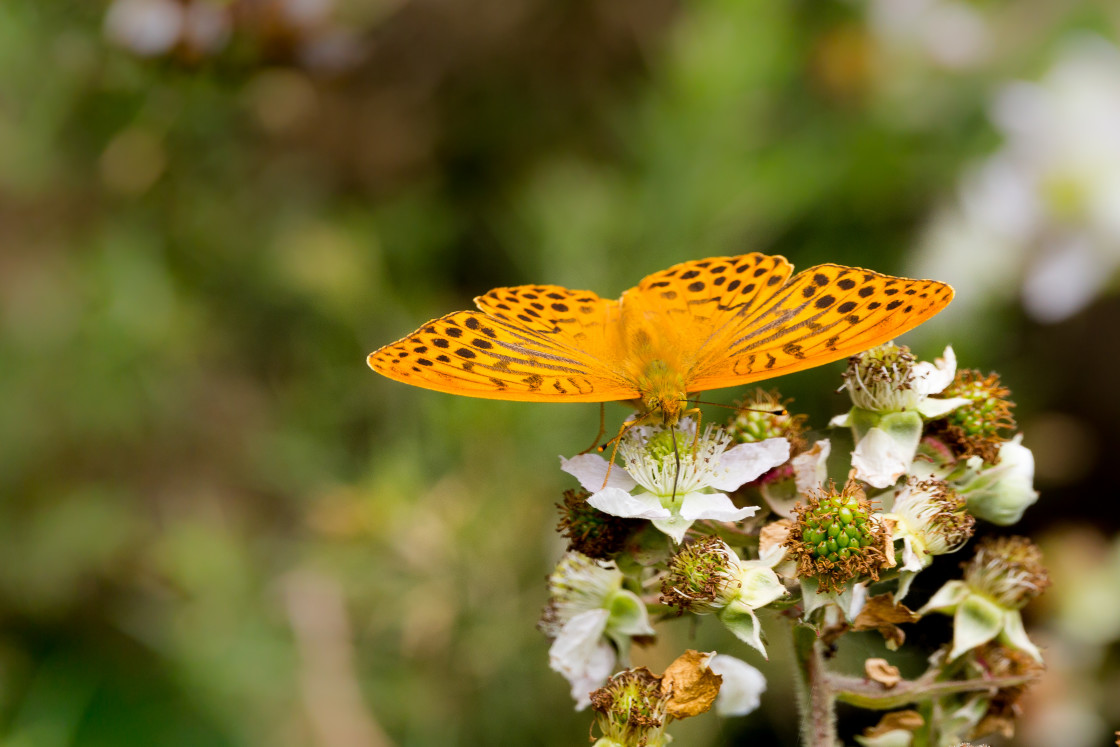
[(879, 460), (904, 581), (743, 624), (1015, 635), (742, 686), (841, 421), (582, 656), (977, 621), (760, 585), (911, 561), (931, 378), (745, 462), (591, 471), (946, 598), (772, 555), (851, 600), (715, 506), (675, 527), (620, 503), (932, 407), (810, 469), (628, 615)]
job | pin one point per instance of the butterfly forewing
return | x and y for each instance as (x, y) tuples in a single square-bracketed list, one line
[(703, 297), (495, 357), (823, 314)]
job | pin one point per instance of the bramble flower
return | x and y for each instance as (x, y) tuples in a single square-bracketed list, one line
[(891, 392), (591, 620), (838, 539), (930, 519), (707, 577), (1001, 493), (678, 473), (635, 706), (631, 710), (1003, 575)]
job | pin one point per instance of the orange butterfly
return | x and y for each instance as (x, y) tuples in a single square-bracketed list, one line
[(707, 324)]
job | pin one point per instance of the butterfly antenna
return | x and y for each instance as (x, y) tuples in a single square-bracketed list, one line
[(767, 410)]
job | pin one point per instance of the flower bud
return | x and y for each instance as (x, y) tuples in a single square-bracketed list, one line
[(590, 531), (764, 415), (1009, 570), (707, 577)]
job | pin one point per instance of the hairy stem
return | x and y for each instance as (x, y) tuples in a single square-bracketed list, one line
[(868, 694), (816, 701)]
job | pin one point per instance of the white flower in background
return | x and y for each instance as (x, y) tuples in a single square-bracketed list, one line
[(948, 33), (1042, 213), (591, 619), (742, 688), (1003, 575), (707, 577), (148, 28), (891, 392), (670, 497)]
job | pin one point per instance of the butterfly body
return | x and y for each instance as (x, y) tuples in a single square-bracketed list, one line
[(707, 324)]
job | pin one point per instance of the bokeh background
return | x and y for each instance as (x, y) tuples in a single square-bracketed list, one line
[(218, 527)]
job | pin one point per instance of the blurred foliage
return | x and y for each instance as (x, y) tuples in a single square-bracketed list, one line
[(217, 527)]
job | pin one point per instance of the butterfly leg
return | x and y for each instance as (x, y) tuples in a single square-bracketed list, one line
[(699, 418), (602, 428), (627, 425)]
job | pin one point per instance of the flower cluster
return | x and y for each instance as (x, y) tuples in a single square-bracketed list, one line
[(742, 524)]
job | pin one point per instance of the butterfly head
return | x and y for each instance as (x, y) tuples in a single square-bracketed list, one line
[(663, 391)]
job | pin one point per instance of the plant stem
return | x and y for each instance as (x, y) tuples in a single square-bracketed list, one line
[(867, 694), (816, 701)]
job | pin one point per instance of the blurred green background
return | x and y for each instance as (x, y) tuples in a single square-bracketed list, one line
[(218, 527)]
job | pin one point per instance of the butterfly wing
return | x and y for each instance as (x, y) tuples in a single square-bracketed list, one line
[(684, 311), (532, 343), (706, 295), (821, 315)]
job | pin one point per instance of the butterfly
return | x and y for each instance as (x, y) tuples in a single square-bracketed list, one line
[(699, 325)]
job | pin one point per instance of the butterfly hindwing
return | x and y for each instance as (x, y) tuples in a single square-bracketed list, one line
[(823, 314)]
